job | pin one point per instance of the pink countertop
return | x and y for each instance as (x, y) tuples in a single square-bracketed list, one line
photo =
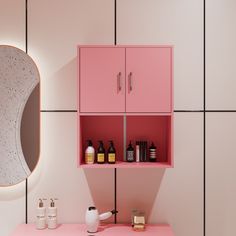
[(77, 229)]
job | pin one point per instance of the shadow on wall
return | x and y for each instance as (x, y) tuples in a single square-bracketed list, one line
[(136, 189), (101, 185)]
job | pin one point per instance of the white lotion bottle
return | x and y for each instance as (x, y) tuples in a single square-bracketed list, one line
[(40, 216), (52, 215), (90, 153)]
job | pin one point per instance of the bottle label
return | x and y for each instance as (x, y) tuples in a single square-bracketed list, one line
[(101, 157), (111, 157), (89, 158), (130, 155)]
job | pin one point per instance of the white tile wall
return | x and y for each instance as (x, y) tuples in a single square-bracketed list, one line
[(57, 175), (56, 27), (221, 54), (12, 32), (12, 23), (173, 196), (220, 184), (12, 207), (175, 22)]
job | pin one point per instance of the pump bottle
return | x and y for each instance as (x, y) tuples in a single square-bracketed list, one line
[(40, 216)]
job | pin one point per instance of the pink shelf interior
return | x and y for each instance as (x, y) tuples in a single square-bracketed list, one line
[(103, 128), (105, 230), (151, 128), (155, 129)]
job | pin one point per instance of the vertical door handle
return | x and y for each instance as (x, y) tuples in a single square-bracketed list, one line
[(119, 82), (130, 81)]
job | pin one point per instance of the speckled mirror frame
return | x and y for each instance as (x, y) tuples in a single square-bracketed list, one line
[(19, 76)]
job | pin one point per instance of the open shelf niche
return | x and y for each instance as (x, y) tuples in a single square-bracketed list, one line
[(154, 127)]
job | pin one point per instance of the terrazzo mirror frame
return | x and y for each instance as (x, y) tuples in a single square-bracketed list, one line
[(19, 115)]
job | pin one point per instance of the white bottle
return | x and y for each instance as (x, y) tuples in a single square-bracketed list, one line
[(90, 153), (40, 216), (52, 215)]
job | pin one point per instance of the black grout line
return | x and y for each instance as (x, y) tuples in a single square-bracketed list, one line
[(204, 118), (115, 11), (115, 195), (26, 50), (26, 200), (115, 172), (26, 26), (188, 110), (143, 112)]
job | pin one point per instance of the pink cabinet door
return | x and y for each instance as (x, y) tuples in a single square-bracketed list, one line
[(102, 79), (148, 79)]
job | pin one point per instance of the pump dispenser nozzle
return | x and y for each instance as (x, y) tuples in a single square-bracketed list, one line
[(40, 203), (52, 203)]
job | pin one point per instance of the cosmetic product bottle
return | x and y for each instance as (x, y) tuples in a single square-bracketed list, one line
[(152, 153), (130, 153), (111, 158), (145, 151), (137, 152), (52, 215), (40, 216), (101, 153), (141, 151), (90, 153)]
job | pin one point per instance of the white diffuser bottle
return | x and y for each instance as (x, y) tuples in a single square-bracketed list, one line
[(40, 216), (52, 215)]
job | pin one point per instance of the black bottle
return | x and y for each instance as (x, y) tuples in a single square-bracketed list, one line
[(152, 153), (101, 153), (111, 157), (130, 153)]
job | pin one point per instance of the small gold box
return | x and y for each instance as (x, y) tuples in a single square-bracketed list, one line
[(138, 220)]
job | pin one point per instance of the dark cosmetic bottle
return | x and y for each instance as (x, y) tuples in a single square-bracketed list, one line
[(130, 153), (101, 153), (111, 154), (152, 153)]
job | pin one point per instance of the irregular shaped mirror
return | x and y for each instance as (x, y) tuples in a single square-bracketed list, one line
[(19, 115)]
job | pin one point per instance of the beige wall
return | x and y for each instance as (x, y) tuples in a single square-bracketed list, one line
[(172, 196)]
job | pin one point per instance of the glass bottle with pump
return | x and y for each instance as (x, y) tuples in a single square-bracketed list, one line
[(111, 154), (101, 153)]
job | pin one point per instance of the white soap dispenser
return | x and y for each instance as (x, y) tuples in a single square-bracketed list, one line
[(52, 215), (40, 216)]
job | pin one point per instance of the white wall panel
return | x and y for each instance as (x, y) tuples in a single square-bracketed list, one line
[(12, 32), (12, 23), (175, 22), (12, 207), (173, 196), (220, 174), (220, 54), (56, 27), (57, 174)]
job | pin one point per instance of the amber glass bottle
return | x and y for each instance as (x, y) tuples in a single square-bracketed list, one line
[(111, 157)]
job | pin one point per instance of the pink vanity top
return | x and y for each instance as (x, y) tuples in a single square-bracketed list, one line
[(77, 229)]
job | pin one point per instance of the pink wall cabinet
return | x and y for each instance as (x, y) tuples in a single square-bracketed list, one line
[(102, 79), (148, 79), (125, 93), (125, 79)]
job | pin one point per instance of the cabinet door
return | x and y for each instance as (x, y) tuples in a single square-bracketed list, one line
[(149, 72), (102, 79)]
